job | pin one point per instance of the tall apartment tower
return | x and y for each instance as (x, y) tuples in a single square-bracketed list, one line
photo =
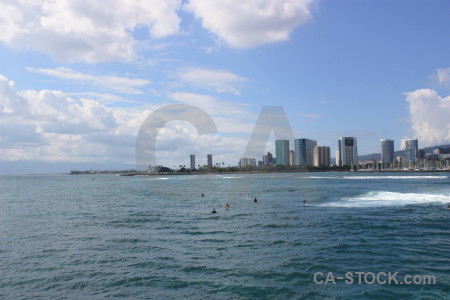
[(348, 150), (291, 157), (321, 156), (411, 149), (209, 160), (387, 151), (192, 161), (338, 158), (282, 152), (304, 152), (268, 159), (247, 162)]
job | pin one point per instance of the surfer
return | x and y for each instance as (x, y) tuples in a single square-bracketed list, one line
[(227, 205), (203, 195), (214, 211), (304, 201), (255, 200)]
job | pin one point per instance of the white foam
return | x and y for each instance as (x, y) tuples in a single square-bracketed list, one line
[(160, 178), (329, 177), (395, 177), (231, 177), (383, 198)]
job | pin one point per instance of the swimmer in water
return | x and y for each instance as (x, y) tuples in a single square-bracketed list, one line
[(203, 195), (255, 200), (227, 205), (214, 211)]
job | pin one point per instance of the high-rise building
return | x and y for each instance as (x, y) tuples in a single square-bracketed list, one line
[(421, 154), (411, 149), (304, 152), (321, 156), (291, 158), (282, 152), (192, 161), (247, 162), (209, 159), (387, 151), (348, 150), (268, 159), (338, 157)]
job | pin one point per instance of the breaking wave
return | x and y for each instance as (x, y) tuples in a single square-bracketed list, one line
[(395, 177), (382, 198)]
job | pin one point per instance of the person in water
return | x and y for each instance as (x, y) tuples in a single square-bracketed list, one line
[(203, 195), (227, 205), (214, 211), (255, 200)]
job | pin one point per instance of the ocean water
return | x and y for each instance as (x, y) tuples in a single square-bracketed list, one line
[(154, 237)]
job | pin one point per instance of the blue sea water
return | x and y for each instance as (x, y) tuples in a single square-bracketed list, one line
[(154, 237)]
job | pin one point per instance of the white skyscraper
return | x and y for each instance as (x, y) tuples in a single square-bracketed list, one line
[(247, 162), (321, 156), (338, 158), (291, 157), (348, 150)]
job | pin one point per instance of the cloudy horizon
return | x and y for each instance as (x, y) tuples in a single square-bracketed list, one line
[(78, 79)]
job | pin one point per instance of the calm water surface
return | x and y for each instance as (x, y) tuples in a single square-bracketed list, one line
[(155, 238)]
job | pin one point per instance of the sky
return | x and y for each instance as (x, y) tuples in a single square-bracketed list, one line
[(79, 78)]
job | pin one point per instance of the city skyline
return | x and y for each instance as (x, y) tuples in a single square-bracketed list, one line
[(77, 84), (323, 154)]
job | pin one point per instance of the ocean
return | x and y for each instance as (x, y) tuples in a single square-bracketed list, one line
[(154, 237)]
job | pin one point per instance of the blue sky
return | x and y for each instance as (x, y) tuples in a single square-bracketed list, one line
[(77, 79)]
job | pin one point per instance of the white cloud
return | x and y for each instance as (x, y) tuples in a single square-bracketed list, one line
[(429, 115), (209, 104), (229, 117), (442, 77), (118, 84), (50, 126), (310, 115), (217, 80), (82, 30), (104, 98), (251, 23)]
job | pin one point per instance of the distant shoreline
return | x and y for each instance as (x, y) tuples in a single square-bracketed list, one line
[(131, 173)]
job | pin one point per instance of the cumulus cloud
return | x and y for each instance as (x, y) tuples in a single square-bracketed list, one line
[(229, 117), (113, 83), (217, 80), (51, 126), (429, 115), (251, 23), (82, 30), (442, 77)]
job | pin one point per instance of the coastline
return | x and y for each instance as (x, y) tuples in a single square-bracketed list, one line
[(126, 173)]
